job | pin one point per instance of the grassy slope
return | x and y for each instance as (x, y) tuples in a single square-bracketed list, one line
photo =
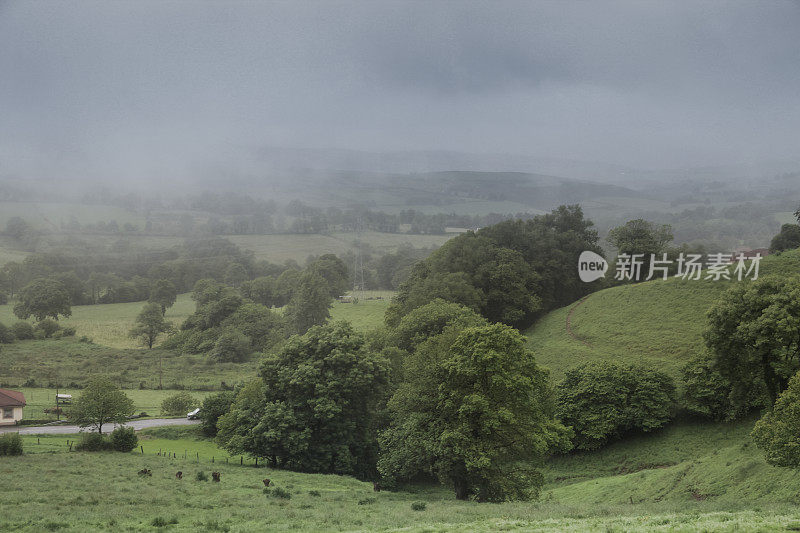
[(658, 323), (717, 482)]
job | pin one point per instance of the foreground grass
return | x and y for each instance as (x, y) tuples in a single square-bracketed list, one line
[(76, 491)]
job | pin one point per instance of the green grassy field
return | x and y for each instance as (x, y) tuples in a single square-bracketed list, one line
[(687, 477), (147, 401), (658, 323)]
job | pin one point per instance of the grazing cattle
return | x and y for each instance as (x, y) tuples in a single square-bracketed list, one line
[(376, 487), (266, 482), (178, 475), (145, 472), (215, 476)]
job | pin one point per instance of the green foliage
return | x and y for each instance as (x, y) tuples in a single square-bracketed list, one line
[(333, 271), (787, 239), (262, 290), (418, 506), (314, 409), (178, 404), (508, 272), (430, 320), (778, 431), (475, 410), (150, 324), (278, 492), (101, 402), (93, 442), (310, 303), (263, 327), (604, 401), (201, 476), (706, 392), (235, 274), (213, 407), (641, 237), (22, 330), (752, 333), (10, 444), (6, 335), (42, 298), (123, 439), (47, 327), (164, 294), (232, 346)]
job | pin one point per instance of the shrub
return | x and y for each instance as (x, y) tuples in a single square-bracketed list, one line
[(178, 404), (163, 522), (418, 506), (47, 327), (278, 492), (22, 330), (314, 493), (93, 442), (201, 476), (707, 393), (603, 401), (777, 434), (6, 336), (124, 439), (10, 444), (68, 331)]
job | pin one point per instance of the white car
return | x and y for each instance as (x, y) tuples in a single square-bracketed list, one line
[(194, 415)]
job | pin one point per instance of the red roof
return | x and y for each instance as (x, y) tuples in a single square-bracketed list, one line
[(11, 398)]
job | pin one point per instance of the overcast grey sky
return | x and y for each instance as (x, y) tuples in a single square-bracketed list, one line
[(136, 88)]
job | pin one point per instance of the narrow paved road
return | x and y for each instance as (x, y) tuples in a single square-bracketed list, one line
[(63, 430)]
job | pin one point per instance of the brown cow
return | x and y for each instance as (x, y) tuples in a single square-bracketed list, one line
[(145, 472), (178, 475), (266, 482), (215, 476), (376, 487)]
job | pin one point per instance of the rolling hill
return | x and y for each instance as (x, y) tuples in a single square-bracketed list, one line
[(658, 323)]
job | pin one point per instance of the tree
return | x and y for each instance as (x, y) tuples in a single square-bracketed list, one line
[(262, 290), (235, 274), (212, 408), (150, 324), (232, 346), (43, 298), (603, 401), (431, 320), (752, 334), (778, 431), (16, 227), (641, 237), (310, 303), (475, 410), (178, 404), (787, 239), (264, 327), (164, 294), (101, 402), (315, 407), (333, 271)]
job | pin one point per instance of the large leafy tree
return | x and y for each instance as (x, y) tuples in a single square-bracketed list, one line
[(315, 407), (100, 403), (164, 294), (754, 336), (150, 324), (778, 431), (641, 237), (333, 271), (310, 303), (42, 298), (474, 411)]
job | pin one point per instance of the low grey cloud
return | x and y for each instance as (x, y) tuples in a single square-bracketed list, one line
[(136, 89)]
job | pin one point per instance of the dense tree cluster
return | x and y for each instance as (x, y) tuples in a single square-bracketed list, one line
[(509, 272)]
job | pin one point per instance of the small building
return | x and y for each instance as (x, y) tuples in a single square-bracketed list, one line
[(11, 404)]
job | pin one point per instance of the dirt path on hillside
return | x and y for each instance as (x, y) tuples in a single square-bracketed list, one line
[(569, 321)]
